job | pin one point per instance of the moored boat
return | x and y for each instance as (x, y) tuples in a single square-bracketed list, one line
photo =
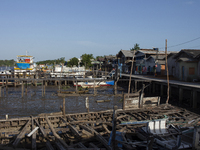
[(100, 83), (24, 63)]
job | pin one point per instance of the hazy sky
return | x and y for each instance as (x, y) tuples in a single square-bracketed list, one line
[(51, 29)]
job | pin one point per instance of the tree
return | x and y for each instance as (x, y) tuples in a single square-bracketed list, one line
[(97, 57), (72, 62), (86, 60), (136, 47)]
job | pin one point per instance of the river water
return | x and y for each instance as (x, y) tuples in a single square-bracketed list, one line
[(33, 103)]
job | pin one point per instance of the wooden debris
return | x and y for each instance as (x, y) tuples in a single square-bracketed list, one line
[(22, 134)]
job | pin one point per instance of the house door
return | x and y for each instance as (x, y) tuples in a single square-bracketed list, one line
[(182, 72)]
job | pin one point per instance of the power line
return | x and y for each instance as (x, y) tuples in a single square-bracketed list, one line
[(182, 43)]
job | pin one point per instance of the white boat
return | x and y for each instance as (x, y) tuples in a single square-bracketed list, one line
[(96, 83)]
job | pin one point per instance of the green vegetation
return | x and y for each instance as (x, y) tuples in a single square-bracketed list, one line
[(7, 62), (65, 87), (136, 47), (86, 60), (97, 57), (50, 62), (72, 62)]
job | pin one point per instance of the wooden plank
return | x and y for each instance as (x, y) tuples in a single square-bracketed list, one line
[(21, 134), (55, 134), (59, 146), (33, 143), (105, 127), (92, 145), (87, 133), (74, 131), (41, 128), (49, 146)]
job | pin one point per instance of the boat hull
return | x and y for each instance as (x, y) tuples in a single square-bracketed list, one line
[(23, 65), (85, 84)]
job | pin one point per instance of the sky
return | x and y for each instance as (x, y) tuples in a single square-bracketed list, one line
[(50, 29)]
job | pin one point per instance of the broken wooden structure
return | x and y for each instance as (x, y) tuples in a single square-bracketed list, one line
[(91, 130)]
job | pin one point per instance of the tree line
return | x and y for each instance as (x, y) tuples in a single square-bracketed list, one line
[(85, 60), (7, 62)]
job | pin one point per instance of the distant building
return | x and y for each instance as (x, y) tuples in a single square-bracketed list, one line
[(187, 64)]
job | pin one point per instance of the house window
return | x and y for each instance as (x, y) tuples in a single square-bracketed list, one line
[(191, 71)]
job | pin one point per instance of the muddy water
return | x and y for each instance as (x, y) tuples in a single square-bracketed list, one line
[(33, 103)]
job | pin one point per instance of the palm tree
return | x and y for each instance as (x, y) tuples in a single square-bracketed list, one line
[(136, 47)]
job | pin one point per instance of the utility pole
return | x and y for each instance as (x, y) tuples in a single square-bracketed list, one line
[(131, 72), (167, 71)]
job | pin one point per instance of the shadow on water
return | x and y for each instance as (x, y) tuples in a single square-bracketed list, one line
[(33, 103)]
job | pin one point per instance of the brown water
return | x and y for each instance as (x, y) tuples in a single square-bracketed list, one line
[(33, 103)]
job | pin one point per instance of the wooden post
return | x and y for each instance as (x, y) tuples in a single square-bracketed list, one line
[(15, 84), (161, 89), (76, 87), (135, 86), (166, 66), (94, 88), (59, 85), (195, 144), (154, 87), (22, 88), (141, 96), (194, 98), (44, 87), (113, 144), (63, 106), (180, 95), (7, 83), (33, 135), (26, 87), (115, 87), (87, 104), (129, 86)]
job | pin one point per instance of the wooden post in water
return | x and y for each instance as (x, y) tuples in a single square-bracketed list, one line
[(26, 87), (44, 87), (15, 84), (115, 87), (87, 104), (0, 91), (94, 88), (7, 83), (76, 87), (59, 86), (22, 88), (64, 107)]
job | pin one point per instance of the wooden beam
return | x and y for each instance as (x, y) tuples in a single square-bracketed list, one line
[(55, 134), (41, 128), (33, 143), (49, 146), (21, 134)]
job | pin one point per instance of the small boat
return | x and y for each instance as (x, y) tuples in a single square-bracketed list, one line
[(92, 86), (100, 83)]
